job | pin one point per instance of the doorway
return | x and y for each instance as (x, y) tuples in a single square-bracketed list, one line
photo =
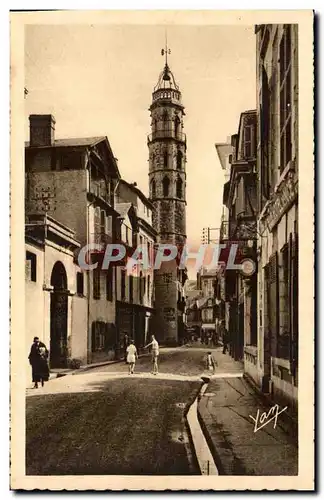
[(59, 316)]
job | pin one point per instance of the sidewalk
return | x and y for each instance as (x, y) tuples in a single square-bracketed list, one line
[(224, 413)]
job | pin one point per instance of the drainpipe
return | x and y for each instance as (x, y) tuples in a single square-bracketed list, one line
[(117, 351), (88, 271)]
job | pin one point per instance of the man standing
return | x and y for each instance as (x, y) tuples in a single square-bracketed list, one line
[(155, 353), (225, 338)]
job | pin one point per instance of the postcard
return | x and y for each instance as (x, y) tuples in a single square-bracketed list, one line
[(162, 286)]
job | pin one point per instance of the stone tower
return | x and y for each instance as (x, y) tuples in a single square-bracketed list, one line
[(167, 181)]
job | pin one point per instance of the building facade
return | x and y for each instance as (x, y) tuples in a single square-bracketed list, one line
[(276, 363), (206, 303), (73, 180), (135, 287), (167, 181), (192, 311), (55, 302), (238, 234)]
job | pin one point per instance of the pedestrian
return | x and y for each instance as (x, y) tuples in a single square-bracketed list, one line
[(211, 362), (38, 360), (225, 339), (126, 343), (131, 357), (155, 354)]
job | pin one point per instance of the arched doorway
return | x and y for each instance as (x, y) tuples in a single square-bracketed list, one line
[(59, 313)]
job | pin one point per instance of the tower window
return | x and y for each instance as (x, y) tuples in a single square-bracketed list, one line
[(153, 189), (179, 160), (165, 160), (166, 184), (176, 126), (179, 188)]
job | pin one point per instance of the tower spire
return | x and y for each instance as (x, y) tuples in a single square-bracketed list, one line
[(166, 51)]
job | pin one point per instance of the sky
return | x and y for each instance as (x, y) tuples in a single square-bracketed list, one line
[(98, 80)]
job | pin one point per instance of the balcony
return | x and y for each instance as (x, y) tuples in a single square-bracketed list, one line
[(246, 228), (99, 190), (166, 134), (170, 94), (224, 230)]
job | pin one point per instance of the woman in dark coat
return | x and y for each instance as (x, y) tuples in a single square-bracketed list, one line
[(38, 359)]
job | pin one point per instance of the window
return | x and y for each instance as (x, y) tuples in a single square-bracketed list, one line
[(179, 160), (176, 126), (109, 284), (165, 159), (248, 139), (80, 284), (166, 184), (285, 97), (102, 222), (179, 188), (153, 189), (108, 229), (98, 335), (96, 284), (31, 266), (265, 131), (149, 287), (97, 223), (141, 287), (165, 118), (123, 284), (131, 289), (149, 253)]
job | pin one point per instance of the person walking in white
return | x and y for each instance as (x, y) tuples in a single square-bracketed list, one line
[(131, 357), (155, 354)]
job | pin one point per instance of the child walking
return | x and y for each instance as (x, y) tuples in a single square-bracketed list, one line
[(131, 357), (211, 362)]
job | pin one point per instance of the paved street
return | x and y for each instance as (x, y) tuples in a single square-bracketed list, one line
[(186, 361), (104, 421)]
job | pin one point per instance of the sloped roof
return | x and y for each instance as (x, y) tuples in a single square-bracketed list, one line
[(123, 208), (139, 193), (223, 151), (74, 142)]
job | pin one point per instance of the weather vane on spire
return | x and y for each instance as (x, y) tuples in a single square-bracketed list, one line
[(166, 51)]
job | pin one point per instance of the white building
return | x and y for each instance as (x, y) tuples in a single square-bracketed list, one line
[(55, 303)]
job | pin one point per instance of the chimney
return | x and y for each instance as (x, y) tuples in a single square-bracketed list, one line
[(41, 130)]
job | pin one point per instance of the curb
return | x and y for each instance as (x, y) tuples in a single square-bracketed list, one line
[(211, 445)]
